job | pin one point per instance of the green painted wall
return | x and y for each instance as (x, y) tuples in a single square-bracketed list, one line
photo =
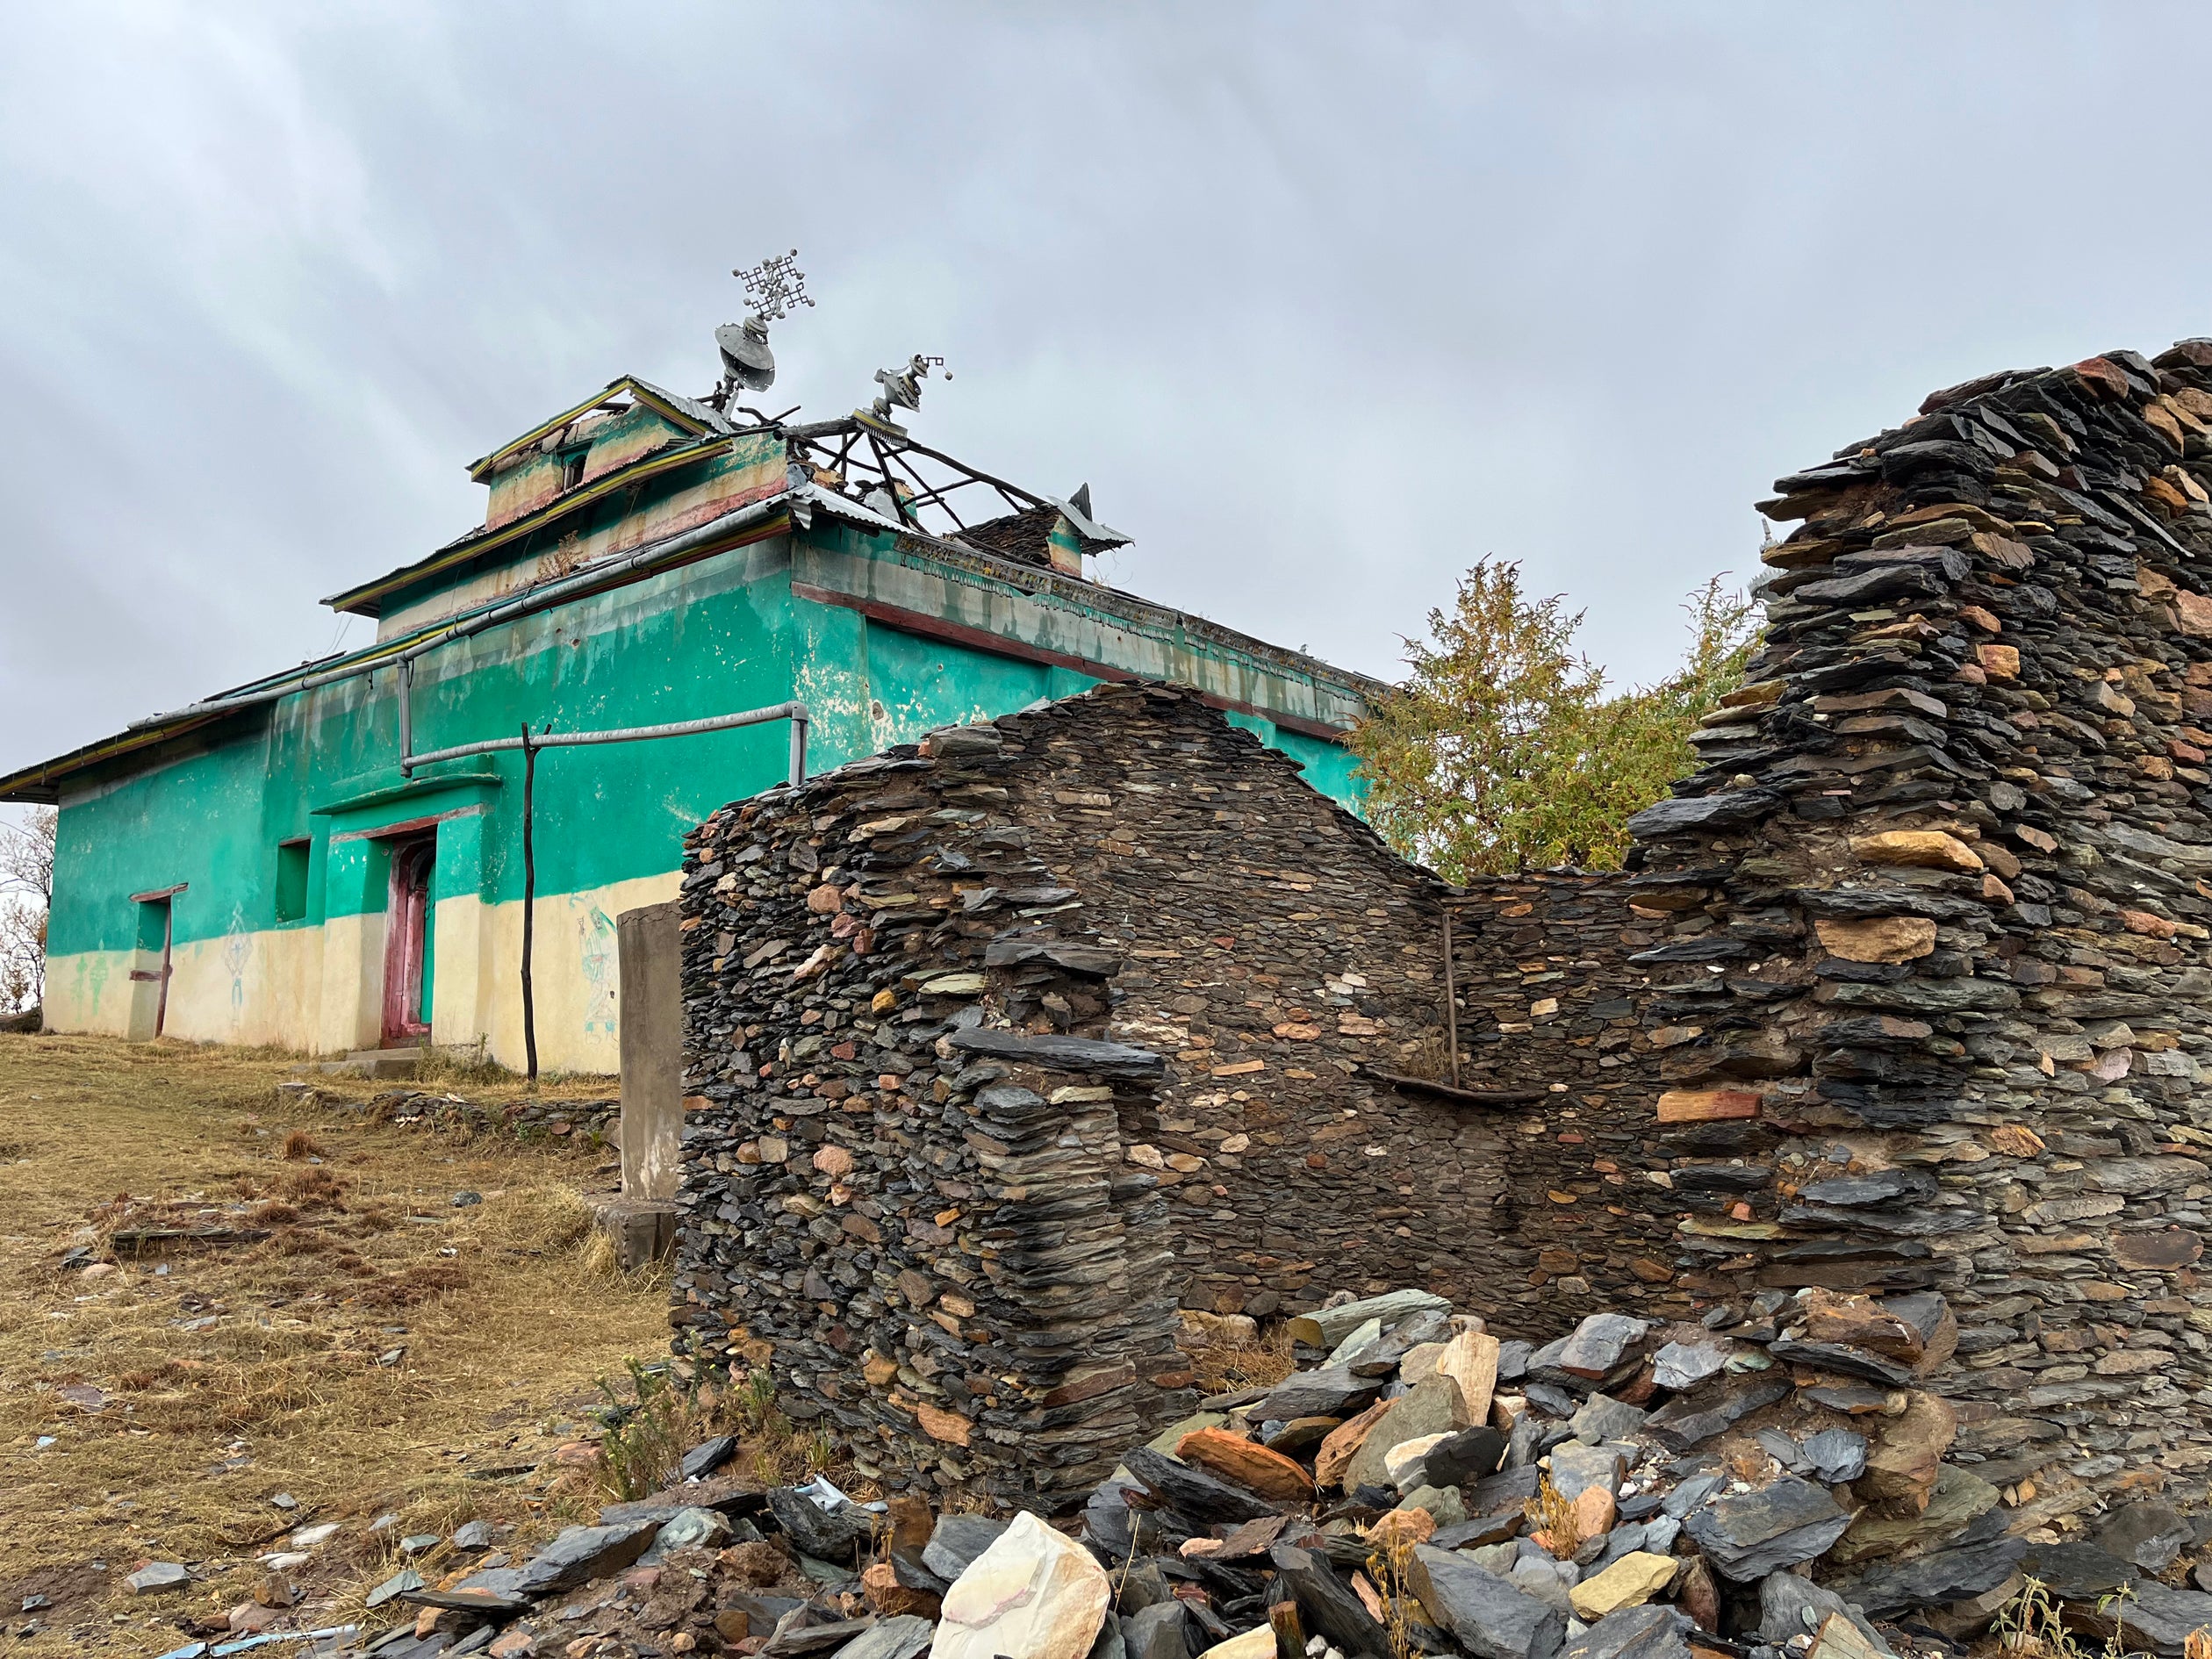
[(214, 810)]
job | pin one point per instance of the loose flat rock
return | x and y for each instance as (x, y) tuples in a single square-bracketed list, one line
[(1630, 1582), (2157, 1615), (1603, 1418), (1326, 1327), (580, 1554), (1791, 1605), (1332, 1391), (1647, 1632), (1433, 1406), (159, 1576), (1960, 1497), (1033, 1592), (1691, 1419), (1491, 1618), (1750, 1534), (1596, 1346), (2077, 1572), (2147, 1533), (836, 1535), (1682, 1365), (1249, 1463), (1193, 1492), (1836, 1455), (1326, 1604), (901, 1638), (1576, 1468), (1943, 1577), (1156, 1631), (957, 1540), (1458, 1459)]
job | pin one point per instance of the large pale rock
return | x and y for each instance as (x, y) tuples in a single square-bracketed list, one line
[(1253, 1644), (1326, 1327), (1630, 1582), (1033, 1592), (1470, 1360)]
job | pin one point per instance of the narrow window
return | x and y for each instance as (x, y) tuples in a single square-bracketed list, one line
[(572, 468), (291, 879)]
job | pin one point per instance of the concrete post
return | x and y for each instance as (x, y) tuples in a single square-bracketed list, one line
[(650, 1020)]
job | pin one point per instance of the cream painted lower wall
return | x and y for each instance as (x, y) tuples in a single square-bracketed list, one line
[(321, 989)]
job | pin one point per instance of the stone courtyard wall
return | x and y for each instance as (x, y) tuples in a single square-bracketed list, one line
[(1002, 1046)]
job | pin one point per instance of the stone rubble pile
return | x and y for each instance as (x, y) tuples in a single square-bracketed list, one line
[(1771, 1483)]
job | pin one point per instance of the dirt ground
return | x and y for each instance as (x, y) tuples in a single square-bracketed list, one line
[(332, 1332)]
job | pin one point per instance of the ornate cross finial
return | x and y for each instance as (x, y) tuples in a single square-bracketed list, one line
[(775, 287)]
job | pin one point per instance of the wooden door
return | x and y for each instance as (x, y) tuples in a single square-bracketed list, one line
[(406, 1013), (157, 930)]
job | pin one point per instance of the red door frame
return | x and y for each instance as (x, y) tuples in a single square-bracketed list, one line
[(406, 933)]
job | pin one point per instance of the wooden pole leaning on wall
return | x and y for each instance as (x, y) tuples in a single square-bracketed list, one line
[(529, 901)]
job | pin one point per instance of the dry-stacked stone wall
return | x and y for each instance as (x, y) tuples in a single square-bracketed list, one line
[(1002, 1046), (1907, 989), (1934, 909)]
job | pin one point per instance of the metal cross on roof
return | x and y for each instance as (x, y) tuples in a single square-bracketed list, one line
[(775, 287)]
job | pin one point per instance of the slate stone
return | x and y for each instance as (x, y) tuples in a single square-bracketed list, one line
[(1512, 1360), (2077, 1571), (581, 1554), (1577, 1468), (1720, 811), (1195, 1494), (1960, 1497), (2146, 1532), (1332, 1391), (1836, 1455), (1692, 1419), (1791, 1605), (904, 1637), (1490, 1618), (707, 1456), (1941, 1577), (1835, 1356), (1063, 1053), (1691, 1491), (476, 1534), (401, 1582), (1784, 1450), (1652, 1631), (1433, 1406), (837, 1536), (1682, 1365), (1603, 1418), (159, 1576), (1156, 1631), (1596, 1346), (1748, 1535), (956, 1541), (1461, 1459), (1326, 1604)]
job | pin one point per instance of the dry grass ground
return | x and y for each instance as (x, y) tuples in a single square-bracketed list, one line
[(365, 1347)]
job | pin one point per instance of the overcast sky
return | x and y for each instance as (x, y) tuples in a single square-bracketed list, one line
[(1326, 302)]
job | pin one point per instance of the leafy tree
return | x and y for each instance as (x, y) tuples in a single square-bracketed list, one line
[(1503, 750), (26, 893)]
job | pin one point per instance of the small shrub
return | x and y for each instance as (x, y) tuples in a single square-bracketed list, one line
[(300, 1145)]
